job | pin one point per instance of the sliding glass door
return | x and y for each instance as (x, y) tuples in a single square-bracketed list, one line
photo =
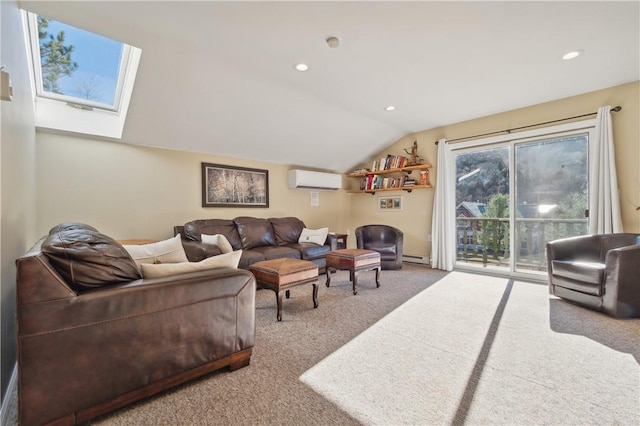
[(513, 196), (551, 196)]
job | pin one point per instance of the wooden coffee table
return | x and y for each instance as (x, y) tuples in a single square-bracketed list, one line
[(354, 261)]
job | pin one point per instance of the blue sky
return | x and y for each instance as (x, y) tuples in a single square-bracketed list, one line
[(98, 60)]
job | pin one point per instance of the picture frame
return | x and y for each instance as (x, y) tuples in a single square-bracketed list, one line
[(390, 203), (232, 186)]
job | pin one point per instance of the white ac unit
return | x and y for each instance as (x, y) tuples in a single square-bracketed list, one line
[(314, 180)]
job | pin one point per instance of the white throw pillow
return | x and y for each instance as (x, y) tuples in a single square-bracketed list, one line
[(167, 251), (227, 260), (316, 236), (218, 240)]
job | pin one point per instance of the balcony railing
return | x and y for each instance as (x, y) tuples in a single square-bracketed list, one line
[(485, 241)]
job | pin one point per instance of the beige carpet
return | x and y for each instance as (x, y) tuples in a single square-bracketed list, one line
[(481, 350), (463, 349)]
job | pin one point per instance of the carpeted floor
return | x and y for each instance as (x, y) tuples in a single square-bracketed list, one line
[(463, 349)]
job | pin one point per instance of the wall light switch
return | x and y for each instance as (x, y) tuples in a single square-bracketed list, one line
[(315, 198)]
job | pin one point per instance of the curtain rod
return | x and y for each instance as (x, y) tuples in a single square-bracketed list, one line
[(614, 109)]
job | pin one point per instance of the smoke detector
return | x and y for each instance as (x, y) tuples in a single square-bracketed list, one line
[(333, 42)]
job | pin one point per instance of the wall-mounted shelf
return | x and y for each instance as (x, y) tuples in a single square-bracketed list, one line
[(371, 184), (373, 191)]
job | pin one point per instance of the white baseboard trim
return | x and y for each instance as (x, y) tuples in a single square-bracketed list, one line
[(412, 258), (11, 388)]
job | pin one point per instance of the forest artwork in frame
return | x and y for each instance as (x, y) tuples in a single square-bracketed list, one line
[(230, 186)]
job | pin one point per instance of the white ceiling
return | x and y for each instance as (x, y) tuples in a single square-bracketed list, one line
[(217, 77)]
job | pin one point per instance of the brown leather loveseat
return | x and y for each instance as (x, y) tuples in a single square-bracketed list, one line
[(258, 238), (94, 336)]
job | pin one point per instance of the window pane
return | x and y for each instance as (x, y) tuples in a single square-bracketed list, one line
[(482, 207), (78, 63), (551, 195)]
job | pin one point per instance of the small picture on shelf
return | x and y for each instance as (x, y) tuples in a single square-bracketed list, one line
[(389, 203)]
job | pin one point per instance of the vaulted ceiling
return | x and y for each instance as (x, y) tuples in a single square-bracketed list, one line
[(218, 77)]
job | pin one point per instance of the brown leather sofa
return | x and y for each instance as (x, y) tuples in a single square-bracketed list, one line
[(601, 272), (386, 240), (93, 336), (258, 238)]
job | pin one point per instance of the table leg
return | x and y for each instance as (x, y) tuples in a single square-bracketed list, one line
[(314, 295), (279, 303), (378, 276), (286, 294), (354, 278), (328, 278)]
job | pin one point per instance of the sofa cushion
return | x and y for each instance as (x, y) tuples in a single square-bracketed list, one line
[(315, 236), (249, 257), (310, 251), (193, 230), (387, 250), (255, 232), (277, 252), (287, 229), (218, 240), (166, 251), (87, 259), (587, 272), (226, 260)]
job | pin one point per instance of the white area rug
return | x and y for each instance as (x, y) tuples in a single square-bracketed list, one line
[(475, 349)]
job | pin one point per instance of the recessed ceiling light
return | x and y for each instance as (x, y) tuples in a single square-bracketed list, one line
[(572, 54), (389, 108), (301, 67)]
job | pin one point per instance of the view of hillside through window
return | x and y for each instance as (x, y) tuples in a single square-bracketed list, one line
[(549, 197)]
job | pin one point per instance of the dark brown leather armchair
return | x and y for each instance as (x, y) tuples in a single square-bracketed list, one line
[(384, 239), (600, 272)]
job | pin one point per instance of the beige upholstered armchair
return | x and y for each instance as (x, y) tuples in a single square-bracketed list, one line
[(601, 272)]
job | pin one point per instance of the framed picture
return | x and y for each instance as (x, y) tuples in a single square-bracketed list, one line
[(230, 186), (389, 203)]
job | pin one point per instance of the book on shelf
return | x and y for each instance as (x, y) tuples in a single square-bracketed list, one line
[(389, 162)]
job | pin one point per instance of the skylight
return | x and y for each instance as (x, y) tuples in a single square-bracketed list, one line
[(75, 68)]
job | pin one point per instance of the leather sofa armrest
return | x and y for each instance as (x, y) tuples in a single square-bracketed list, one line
[(132, 300), (197, 251), (622, 291), (400, 241)]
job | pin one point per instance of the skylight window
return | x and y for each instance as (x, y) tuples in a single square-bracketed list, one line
[(75, 68)]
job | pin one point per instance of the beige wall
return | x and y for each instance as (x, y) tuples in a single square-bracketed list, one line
[(415, 218), (130, 191), (17, 166)]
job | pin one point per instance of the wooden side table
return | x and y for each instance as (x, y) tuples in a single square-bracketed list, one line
[(337, 241), (354, 261), (280, 275)]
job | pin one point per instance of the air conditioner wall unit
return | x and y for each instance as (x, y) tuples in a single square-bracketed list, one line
[(308, 179)]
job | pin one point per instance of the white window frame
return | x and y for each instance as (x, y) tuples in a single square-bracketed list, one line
[(75, 115)]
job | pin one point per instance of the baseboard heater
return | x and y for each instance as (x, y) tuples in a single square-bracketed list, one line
[(412, 258)]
